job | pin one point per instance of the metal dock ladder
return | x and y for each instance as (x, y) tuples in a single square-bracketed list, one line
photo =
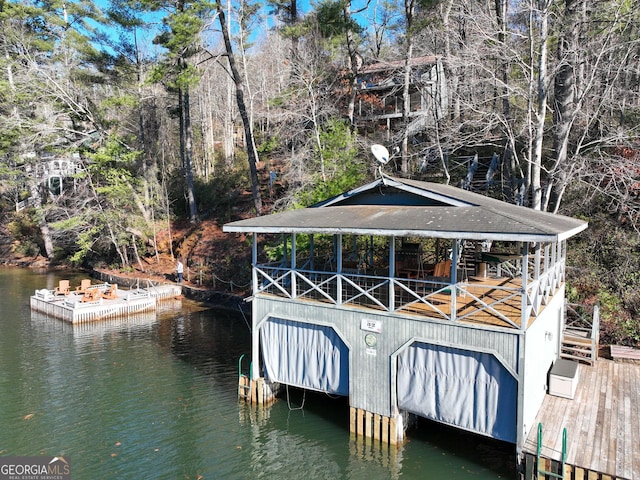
[(541, 471), (244, 381)]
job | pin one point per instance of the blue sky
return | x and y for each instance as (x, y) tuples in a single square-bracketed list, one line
[(154, 20)]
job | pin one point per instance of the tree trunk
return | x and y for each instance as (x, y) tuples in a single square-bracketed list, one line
[(501, 15), (409, 8), (451, 70), (188, 157), (353, 64), (252, 154), (46, 237), (564, 90), (541, 107)]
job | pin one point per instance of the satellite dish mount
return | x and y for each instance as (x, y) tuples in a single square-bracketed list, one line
[(381, 154)]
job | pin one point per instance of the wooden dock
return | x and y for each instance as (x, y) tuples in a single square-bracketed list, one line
[(74, 308), (603, 430)]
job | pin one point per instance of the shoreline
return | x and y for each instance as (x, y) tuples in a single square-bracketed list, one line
[(205, 296)]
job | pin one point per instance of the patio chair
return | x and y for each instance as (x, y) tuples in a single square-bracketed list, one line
[(111, 293), (442, 269), (91, 295), (62, 288), (85, 285)]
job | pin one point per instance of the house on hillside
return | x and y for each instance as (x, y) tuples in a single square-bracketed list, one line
[(379, 97), (411, 298), (49, 175)]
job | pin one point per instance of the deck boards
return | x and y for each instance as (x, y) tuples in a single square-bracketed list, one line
[(491, 301), (470, 310), (603, 431)]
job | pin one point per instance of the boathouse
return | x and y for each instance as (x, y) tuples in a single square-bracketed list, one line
[(411, 298)]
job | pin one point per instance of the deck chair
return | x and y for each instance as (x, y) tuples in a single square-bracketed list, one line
[(91, 295), (442, 269), (62, 288), (111, 293), (85, 285)]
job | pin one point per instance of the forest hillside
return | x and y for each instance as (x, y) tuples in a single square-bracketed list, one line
[(130, 132)]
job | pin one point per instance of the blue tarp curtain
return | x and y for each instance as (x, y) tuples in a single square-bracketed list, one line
[(470, 390), (305, 355)]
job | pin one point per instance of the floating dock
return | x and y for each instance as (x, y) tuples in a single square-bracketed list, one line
[(100, 302), (603, 432)]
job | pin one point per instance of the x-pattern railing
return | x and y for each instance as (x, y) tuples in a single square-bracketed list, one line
[(416, 300), (540, 290), (488, 302), (353, 293), (412, 295), (319, 286), (275, 280)]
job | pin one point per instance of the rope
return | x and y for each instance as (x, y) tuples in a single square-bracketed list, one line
[(197, 271), (230, 282)]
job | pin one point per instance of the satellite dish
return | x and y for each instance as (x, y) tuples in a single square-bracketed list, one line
[(381, 153)]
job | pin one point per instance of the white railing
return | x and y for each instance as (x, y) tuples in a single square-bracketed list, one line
[(497, 304), (500, 302), (539, 291)]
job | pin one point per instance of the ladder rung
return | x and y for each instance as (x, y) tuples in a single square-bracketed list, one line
[(576, 349), (577, 340)]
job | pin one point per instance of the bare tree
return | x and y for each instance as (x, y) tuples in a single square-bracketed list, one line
[(239, 82)]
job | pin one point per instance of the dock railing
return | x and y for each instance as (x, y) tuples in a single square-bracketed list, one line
[(497, 302), (581, 332)]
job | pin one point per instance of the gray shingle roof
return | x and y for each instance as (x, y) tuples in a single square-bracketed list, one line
[(426, 210)]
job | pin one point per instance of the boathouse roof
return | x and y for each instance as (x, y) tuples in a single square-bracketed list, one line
[(400, 207)]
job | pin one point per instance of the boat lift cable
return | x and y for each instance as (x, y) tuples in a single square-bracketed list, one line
[(244, 316), (304, 397)]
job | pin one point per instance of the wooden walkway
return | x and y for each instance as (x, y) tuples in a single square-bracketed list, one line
[(602, 422)]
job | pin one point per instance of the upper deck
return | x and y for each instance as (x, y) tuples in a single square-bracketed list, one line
[(500, 296)]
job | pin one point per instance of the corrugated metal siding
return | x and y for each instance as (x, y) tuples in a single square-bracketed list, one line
[(371, 376)]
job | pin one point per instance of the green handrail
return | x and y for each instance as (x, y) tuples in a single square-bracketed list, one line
[(240, 374), (564, 454)]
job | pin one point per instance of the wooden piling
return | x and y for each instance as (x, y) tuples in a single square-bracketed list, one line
[(257, 392), (244, 386), (374, 427)]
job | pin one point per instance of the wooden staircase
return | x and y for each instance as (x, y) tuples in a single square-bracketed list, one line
[(580, 336)]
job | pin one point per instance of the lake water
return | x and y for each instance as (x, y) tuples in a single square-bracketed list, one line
[(156, 398)]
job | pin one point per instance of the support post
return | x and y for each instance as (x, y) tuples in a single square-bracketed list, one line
[(294, 290), (372, 426), (454, 278), (254, 262), (537, 259), (392, 273), (339, 269), (524, 314)]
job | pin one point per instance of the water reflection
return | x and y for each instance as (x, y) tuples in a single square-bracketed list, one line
[(155, 396), (138, 324), (301, 444)]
